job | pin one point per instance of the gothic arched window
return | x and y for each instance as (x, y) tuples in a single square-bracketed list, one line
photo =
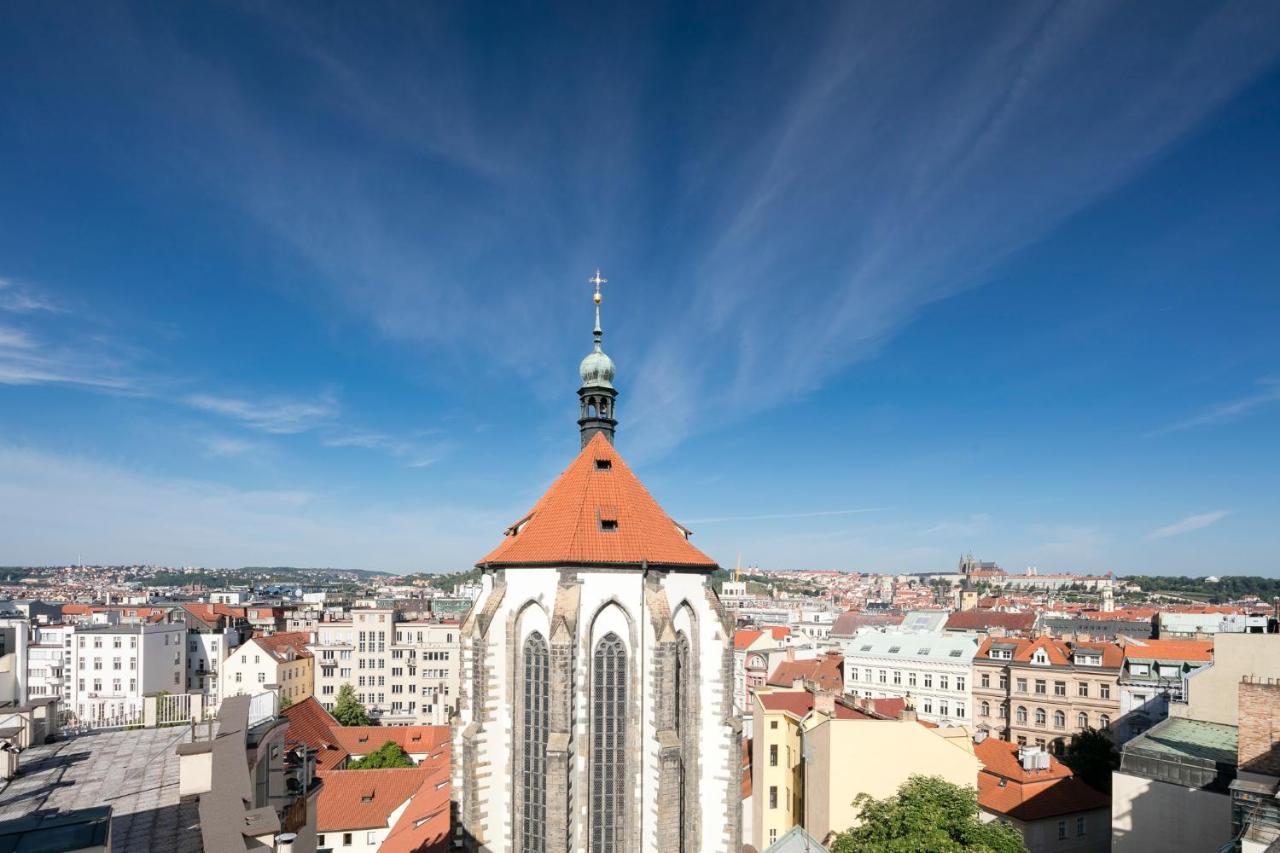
[(682, 711), (534, 724), (608, 744)]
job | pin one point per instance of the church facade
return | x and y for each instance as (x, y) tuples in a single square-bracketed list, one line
[(596, 713)]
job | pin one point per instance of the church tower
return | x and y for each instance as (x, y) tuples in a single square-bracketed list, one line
[(597, 395), (597, 712)]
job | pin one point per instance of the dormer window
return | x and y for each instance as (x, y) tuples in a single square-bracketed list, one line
[(1040, 658), (608, 525), (604, 464)]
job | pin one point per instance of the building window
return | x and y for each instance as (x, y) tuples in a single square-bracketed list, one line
[(1004, 682), (928, 679), (1059, 720), (773, 836), (773, 755), (884, 676), (1022, 685), (1004, 710), (1082, 720), (608, 753), (1040, 687), (1022, 740), (1082, 688), (1022, 715), (773, 796), (533, 782), (1104, 722), (911, 679), (1059, 688), (985, 709), (985, 679), (1062, 830), (897, 676), (1040, 717), (1080, 826), (943, 681), (1104, 690), (346, 839), (960, 683), (773, 724)]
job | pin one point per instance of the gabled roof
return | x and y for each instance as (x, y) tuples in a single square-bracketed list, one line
[(850, 622), (364, 799), (597, 512), (312, 725), (827, 672), (1005, 788), (1058, 652), (423, 827), (279, 646)]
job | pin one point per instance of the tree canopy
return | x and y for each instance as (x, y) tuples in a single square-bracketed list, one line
[(387, 755), (927, 815), (1093, 756), (347, 710)]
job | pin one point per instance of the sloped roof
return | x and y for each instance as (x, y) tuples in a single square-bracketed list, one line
[(981, 620), (423, 827), (850, 622), (826, 671), (597, 512), (364, 799), (1188, 650), (1059, 652), (312, 725), (280, 645), (1004, 787), (361, 740)]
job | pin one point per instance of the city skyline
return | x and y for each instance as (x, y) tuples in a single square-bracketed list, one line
[(312, 291)]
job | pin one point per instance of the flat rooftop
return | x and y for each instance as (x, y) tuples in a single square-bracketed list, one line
[(1191, 753), (135, 772)]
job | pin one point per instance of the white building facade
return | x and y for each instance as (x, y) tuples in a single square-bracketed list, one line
[(115, 666), (933, 670)]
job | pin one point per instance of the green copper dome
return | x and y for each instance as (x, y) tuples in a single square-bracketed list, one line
[(596, 370)]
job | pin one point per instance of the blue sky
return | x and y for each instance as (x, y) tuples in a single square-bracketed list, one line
[(309, 286)]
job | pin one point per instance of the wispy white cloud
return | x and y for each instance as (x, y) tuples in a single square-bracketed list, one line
[(223, 446), (21, 300), (281, 415), (971, 526), (56, 506), (1220, 413), (1188, 524), (787, 515), (417, 452)]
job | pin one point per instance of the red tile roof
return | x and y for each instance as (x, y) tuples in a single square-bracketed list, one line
[(362, 740), (827, 672), (982, 620), (1005, 788), (311, 724), (279, 646), (848, 623), (744, 638), (1188, 650), (1059, 652), (364, 799), (800, 702), (566, 526), (423, 827)]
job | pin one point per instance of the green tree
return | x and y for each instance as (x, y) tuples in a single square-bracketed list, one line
[(927, 815), (1093, 757), (347, 710), (387, 755), (285, 702)]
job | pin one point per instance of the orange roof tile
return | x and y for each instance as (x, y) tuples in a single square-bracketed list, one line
[(744, 639), (827, 672), (1004, 787), (568, 525), (424, 825), (311, 724), (365, 799), (280, 645), (1189, 650), (362, 740)]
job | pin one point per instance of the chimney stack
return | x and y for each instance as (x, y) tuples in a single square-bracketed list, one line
[(824, 702)]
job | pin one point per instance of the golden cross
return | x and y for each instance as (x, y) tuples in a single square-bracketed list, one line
[(597, 280)]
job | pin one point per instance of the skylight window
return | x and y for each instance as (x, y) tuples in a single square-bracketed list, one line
[(924, 651), (955, 653), (866, 648), (609, 525), (604, 464), (893, 650)]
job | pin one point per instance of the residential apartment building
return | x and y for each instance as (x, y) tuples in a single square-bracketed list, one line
[(933, 669), (1153, 675), (1039, 796), (405, 672), (801, 771), (50, 662), (114, 666), (1042, 691), (755, 653), (213, 631), (280, 662)]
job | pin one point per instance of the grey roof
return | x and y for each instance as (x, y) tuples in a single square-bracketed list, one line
[(930, 621), (952, 648), (134, 771), (796, 840)]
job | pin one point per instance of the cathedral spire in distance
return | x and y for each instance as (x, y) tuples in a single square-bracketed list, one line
[(596, 396)]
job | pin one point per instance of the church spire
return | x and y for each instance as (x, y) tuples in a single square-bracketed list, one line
[(596, 396)]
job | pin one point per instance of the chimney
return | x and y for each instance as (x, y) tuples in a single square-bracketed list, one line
[(824, 702), (791, 653)]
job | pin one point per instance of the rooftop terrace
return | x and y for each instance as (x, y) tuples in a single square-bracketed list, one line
[(135, 772)]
